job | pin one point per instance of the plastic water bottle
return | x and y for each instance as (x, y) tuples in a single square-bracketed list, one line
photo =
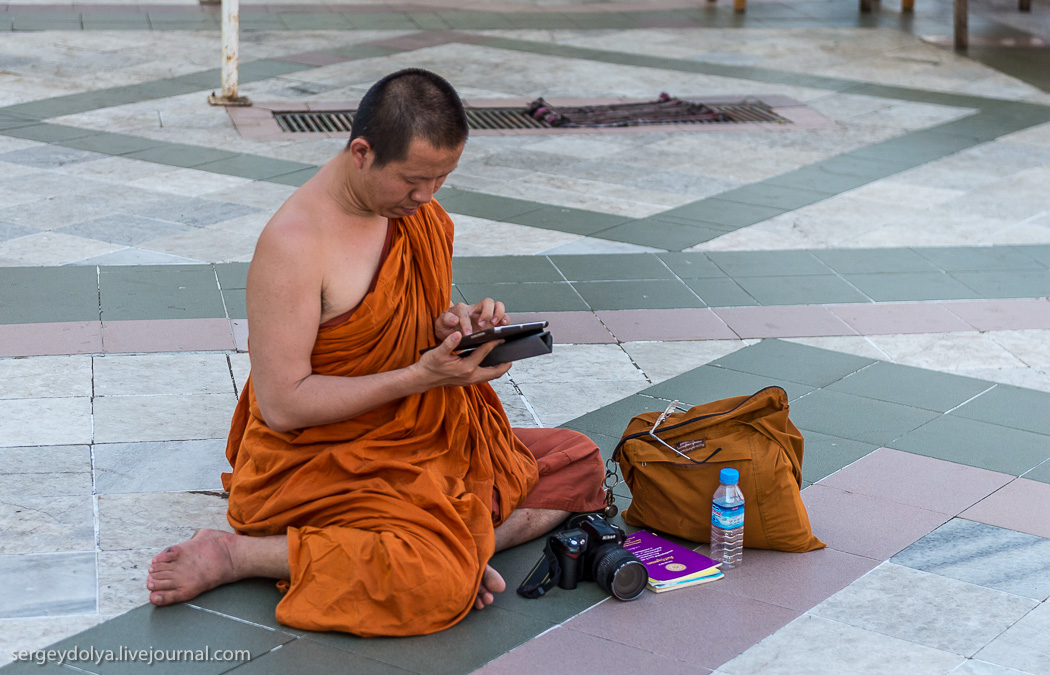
[(727, 520)]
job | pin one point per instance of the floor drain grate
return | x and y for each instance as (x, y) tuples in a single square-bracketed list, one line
[(517, 118)]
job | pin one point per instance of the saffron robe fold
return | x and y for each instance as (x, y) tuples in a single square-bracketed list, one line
[(390, 515)]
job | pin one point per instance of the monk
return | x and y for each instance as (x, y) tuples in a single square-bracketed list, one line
[(373, 481)]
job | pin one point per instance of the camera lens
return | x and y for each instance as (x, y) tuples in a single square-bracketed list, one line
[(619, 572)]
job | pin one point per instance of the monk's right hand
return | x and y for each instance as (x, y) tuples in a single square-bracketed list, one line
[(442, 367)]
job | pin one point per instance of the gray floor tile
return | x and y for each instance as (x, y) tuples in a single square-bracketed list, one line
[(909, 386), (166, 466), (642, 294), (191, 210), (988, 556), (1023, 646), (11, 231), (931, 610), (611, 267), (857, 418), (125, 229), (794, 362), (974, 443), (49, 156), (1012, 407), (48, 584)]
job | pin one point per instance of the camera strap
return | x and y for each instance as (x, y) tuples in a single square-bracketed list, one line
[(543, 577)]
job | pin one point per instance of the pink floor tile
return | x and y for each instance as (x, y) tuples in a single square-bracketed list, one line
[(1002, 314), (1023, 505), (914, 480), (783, 321), (699, 624), (864, 525), (899, 318), (167, 335), (50, 339), (240, 333), (583, 653), (630, 325), (570, 327), (796, 581)]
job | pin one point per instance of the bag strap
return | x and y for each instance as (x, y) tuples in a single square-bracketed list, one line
[(543, 577)]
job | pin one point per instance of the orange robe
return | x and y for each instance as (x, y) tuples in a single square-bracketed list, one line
[(390, 515)]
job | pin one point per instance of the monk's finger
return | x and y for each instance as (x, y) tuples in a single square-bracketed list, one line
[(499, 315), (482, 313), (448, 345)]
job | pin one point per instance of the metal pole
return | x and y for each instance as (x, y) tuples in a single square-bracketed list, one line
[(230, 32)]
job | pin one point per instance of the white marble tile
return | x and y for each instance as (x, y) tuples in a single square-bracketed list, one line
[(579, 363), (128, 419), (514, 404), (50, 248), (156, 520), (663, 360), (811, 645), (45, 421), (46, 471), (33, 633), (240, 366), (160, 466), (46, 524), (162, 374), (925, 608), (189, 182), (209, 244), (45, 377), (977, 667), (858, 346), (122, 579), (1024, 645), (558, 402), (48, 584), (946, 352), (482, 237)]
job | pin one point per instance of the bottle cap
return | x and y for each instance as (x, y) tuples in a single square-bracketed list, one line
[(729, 476)]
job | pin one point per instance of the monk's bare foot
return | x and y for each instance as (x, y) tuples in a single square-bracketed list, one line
[(491, 583), (184, 571)]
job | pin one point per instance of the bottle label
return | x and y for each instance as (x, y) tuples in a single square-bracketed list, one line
[(727, 517)]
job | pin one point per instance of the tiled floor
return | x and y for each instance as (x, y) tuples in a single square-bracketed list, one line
[(890, 270)]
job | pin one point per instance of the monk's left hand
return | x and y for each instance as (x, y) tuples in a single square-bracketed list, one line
[(468, 319)]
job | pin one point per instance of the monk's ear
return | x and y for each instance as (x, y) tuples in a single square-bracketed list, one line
[(361, 152)]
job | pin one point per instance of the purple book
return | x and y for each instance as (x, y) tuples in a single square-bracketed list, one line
[(666, 561)]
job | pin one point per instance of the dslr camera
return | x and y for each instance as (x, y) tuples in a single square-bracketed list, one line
[(590, 550)]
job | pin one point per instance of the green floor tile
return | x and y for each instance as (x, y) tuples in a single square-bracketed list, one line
[(875, 260), (503, 269), (1007, 284), (29, 666), (48, 294), (573, 221), (264, 69), (606, 267), (658, 233), (1014, 407), (234, 299), (178, 627), (818, 179), (916, 148), (774, 195), (314, 20), (767, 263), (251, 600), (48, 133), (801, 290), (489, 633), (793, 362), (853, 165), (611, 420), (232, 275), (982, 258), (175, 154), (557, 605), (723, 292), (310, 656), (1040, 473), (110, 144), (689, 265), (658, 294), (724, 212), (492, 207), (252, 22), (531, 297), (138, 293), (381, 21), (253, 166), (1039, 253), (295, 178), (476, 20), (857, 418), (712, 383), (428, 20), (975, 443), (824, 455), (909, 386), (905, 286)]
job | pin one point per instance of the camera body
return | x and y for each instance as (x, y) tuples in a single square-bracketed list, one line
[(593, 551)]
